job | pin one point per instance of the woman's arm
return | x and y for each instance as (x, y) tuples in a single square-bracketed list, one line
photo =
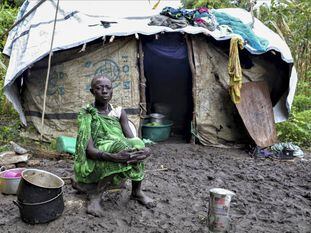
[(93, 153), (121, 157), (125, 125), (137, 155)]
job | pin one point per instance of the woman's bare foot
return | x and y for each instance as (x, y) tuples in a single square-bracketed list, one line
[(143, 199), (94, 206), (140, 196)]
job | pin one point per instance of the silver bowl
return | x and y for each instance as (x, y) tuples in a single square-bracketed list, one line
[(157, 117)]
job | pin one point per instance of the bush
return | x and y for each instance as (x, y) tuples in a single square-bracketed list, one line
[(7, 17), (9, 121), (297, 129), (302, 103)]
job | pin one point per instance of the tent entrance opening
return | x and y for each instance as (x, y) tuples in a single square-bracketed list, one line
[(169, 80)]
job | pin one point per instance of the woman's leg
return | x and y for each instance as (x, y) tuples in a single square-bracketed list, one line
[(95, 196), (140, 196)]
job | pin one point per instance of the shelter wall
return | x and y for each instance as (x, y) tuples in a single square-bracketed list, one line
[(69, 84), (216, 118)]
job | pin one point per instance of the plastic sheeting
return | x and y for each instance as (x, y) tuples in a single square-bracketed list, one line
[(78, 22)]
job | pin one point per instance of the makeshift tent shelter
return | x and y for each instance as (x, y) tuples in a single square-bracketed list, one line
[(84, 48)]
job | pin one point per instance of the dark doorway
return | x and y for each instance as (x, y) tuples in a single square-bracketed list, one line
[(169, 80)]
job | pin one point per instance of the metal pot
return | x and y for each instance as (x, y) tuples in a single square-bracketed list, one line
[(9, 185), (156, 117), (162, 108), (41, 212), (38, 186)]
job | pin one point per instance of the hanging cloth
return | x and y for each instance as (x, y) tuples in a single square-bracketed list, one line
[(234, 69)]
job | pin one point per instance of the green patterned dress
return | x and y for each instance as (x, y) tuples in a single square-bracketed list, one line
[(107, 136)]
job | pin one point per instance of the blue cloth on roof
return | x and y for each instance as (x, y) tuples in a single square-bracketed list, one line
[(240, 28)]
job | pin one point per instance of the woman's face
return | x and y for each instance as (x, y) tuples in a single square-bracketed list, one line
[(102, 90)]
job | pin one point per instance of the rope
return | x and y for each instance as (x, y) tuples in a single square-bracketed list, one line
[(48, 72)]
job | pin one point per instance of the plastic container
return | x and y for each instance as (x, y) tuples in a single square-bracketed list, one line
[(9, 180), (66, 144), (157, 133), (218, 213)]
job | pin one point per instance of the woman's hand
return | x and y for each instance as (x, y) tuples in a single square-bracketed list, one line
[(139, 155), (130, 156)]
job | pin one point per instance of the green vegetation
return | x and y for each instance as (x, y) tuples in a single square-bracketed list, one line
[(291, 20), (9, 122)]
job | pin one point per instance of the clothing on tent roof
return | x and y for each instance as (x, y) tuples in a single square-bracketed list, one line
[(225, 30), (234, 69), (173, 13), (203, 18), (205, 22), (242, 29), (107, 135), (162, 20), (202, 10), (200, 17), (210, 20)]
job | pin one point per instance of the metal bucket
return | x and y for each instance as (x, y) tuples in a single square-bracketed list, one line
[(218, 213)]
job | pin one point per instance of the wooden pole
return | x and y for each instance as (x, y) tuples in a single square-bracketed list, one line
[(142, 87), (192, 68)]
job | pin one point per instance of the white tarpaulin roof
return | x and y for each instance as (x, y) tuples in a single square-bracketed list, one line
[(78, 22)]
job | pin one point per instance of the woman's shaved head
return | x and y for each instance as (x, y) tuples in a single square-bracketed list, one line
[(98, 77)]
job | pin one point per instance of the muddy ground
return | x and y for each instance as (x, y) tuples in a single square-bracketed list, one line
[(271, 195)]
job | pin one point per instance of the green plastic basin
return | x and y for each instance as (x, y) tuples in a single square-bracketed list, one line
[(157, 133), (66, 144)]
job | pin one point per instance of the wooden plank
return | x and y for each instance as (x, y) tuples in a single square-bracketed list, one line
[(256, 112)]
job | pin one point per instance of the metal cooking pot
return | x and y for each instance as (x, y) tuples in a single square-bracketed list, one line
[(38, 186), (41, 212), (156, 117)]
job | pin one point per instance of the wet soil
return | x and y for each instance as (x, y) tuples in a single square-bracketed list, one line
[(271, 195)]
